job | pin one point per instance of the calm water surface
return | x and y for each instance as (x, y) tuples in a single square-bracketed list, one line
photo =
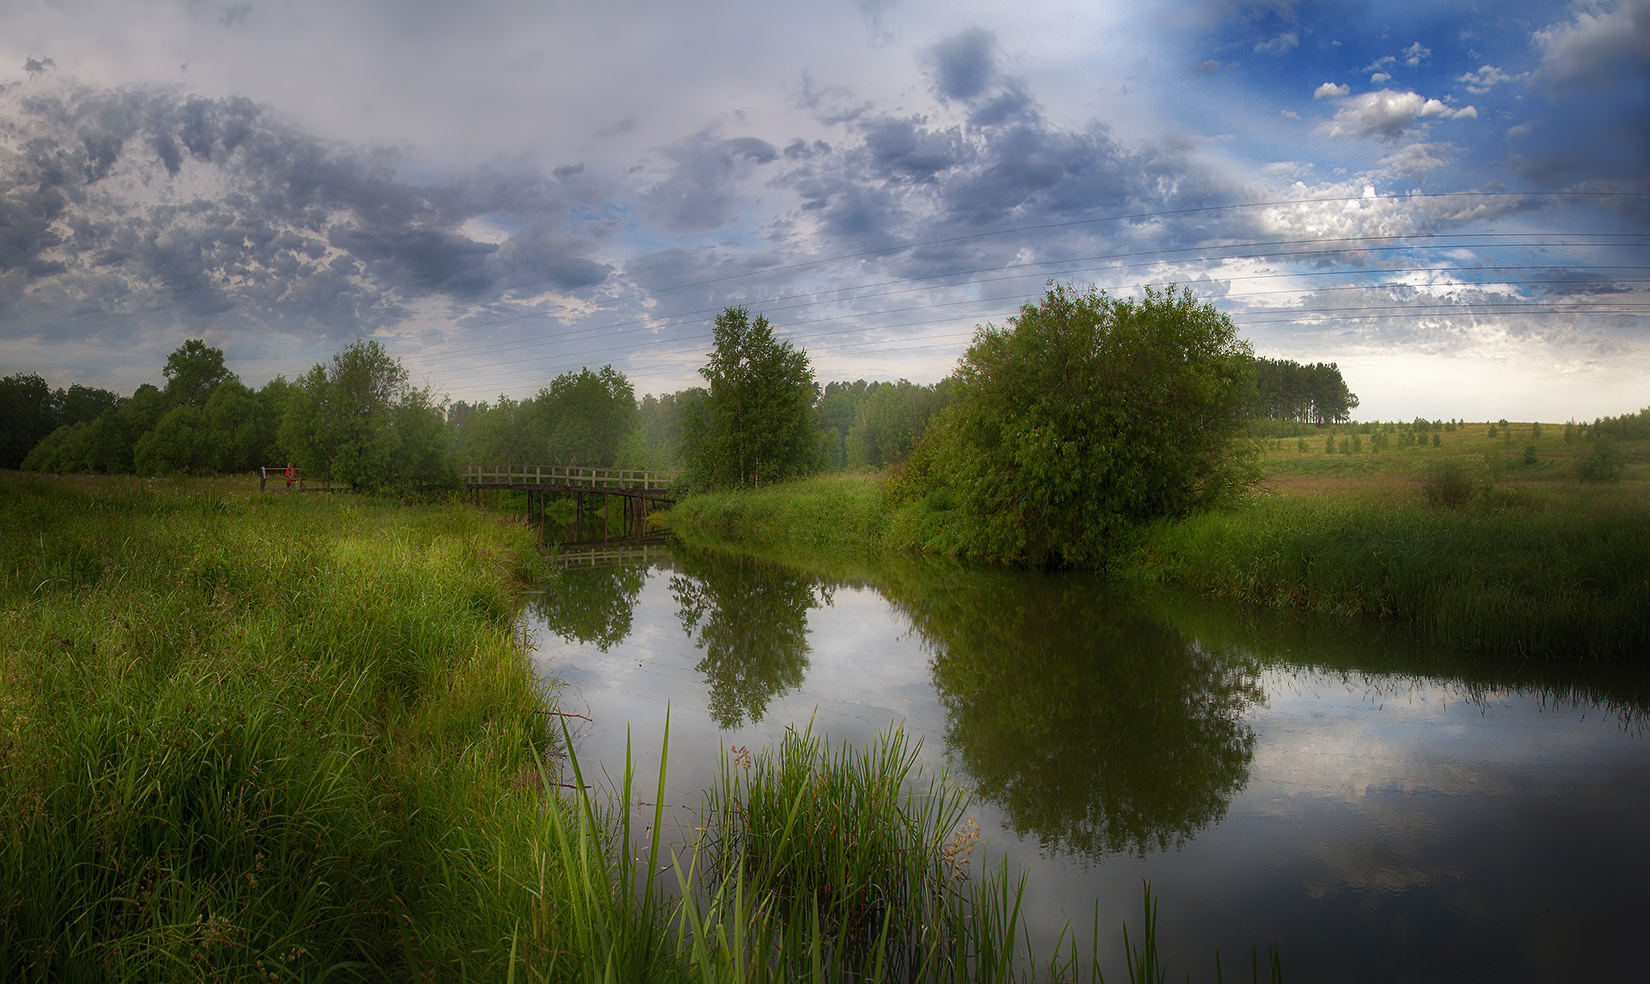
[(1376, 809)]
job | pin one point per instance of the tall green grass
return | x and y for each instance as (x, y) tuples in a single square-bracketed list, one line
[(1512, 581), (238, 732)]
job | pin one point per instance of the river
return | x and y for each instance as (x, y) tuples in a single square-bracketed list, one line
[(1375, 808)]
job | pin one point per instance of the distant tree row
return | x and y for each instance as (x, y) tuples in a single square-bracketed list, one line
[(1627, 427), (30, 410), (354, 419), (583, 418), (1314, 394)]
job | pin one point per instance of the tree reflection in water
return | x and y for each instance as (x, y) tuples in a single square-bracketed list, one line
[(1091, 726), (751, 619), (592, 606)]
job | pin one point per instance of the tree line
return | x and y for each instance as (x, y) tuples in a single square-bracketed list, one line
[(1138, 397), (355, 419), (1286, 390)]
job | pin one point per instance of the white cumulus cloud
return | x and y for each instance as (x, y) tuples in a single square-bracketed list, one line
[(1484, 79), (1330, 90), (1387, 115), (1417, 53)]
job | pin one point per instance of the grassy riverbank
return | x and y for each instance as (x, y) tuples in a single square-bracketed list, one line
[(1533, 562), (248, 735), (282, 737)]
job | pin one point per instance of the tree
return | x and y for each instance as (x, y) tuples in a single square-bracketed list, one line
[(26, 416), (181, 441), (30, 411), (1315, 394), (193, 371), (586, 416), (758, 408), (1085, 416), (358, 421)]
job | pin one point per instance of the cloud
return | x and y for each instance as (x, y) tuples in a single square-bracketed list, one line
[(1595, 47), (1290, 114), (964, 65), (1282, 44), (1330, 90), (159, 208), (702, 192), (1416, 161), (1380, 78), (1417, 53), (1206, 67), (1387, 115), (1381, 64), (617, 127), (1484, 79)]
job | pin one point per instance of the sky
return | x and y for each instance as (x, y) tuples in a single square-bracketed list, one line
[(1449, 200)]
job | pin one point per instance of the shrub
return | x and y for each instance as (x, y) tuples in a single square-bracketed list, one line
[(1603, 463), (1087, 415), (1453, 484)]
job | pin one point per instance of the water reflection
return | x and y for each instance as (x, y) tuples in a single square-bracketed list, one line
[(1379, 808), (1094, 728), (751, 619), (594, 605)]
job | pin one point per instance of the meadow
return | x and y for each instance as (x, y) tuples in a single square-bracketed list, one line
[(1492, 544), (278, 737)]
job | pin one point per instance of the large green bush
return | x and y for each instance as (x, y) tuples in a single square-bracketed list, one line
[(1085, 416)]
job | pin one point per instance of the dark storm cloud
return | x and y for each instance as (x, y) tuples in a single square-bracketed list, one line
[(142, 203), (905, 149), (702, 190), (427, 259), (964, 65)]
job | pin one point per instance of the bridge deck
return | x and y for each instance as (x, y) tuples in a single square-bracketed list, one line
[(570, 478)]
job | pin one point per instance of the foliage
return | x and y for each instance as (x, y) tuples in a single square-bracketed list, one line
[(1603, 462), (1088, 415), (30, 410), (1454, 483), (179, 442), (1285, 390), (581, 418), (755, 428), (585, 416), (1627, 427), (204, 421), (192, 372), (358, 421)]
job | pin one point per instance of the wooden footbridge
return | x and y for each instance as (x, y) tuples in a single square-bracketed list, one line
[(639, 491)]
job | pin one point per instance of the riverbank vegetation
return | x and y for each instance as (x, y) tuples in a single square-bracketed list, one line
[(284, 737), (1532, 559)]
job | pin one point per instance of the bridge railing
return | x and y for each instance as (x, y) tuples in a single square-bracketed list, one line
[(568, 475)]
